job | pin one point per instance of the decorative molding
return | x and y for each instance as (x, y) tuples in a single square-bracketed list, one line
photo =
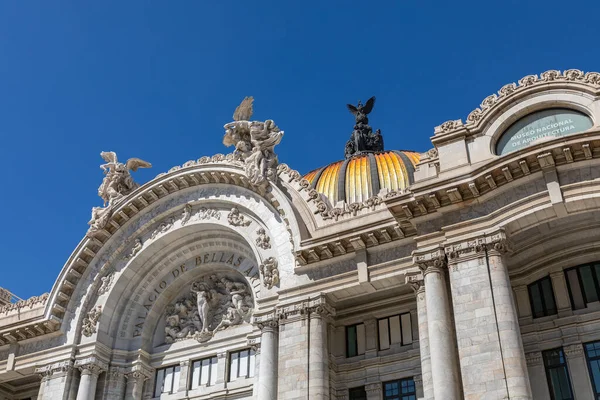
[(270, 272), (89, 323), (30, 302), (416, 282), (163, 227), (137, 247), (205, 213), (573, 350), (495, 243), (533, 358), (316, 307), (374, 389)]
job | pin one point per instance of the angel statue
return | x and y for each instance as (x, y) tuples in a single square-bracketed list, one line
[(360, 112), (254, 143), (118, 181)]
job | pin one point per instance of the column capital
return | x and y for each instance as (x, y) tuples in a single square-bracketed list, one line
[(139, 373), (374, 388), (184, 363), (573, 350), (91, 366), (266, 323), (116, 372), (474, 246), (431, 260), (316, 307), (533, 358), (416, 282), (46, 372)]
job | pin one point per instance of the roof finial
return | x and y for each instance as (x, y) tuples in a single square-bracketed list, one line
[(363, 139)]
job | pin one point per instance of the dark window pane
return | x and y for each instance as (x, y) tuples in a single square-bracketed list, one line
[(575, 290), (548, 296), (589, 287), (358, 393), (558, 375), (351, 341), (536, 300)]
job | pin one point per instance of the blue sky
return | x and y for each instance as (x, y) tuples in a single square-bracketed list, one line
[(157, 80)]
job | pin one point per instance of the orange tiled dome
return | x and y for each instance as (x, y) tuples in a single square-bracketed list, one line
[(362, 176)]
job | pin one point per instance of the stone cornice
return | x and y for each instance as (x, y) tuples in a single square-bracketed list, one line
[(311, 307), (547, 80), (47, 371), (475, 246)]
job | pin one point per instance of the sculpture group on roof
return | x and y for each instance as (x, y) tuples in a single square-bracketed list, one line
[(363, 139)]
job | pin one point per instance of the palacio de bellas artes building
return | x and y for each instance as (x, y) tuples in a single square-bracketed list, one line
[(467, 271)]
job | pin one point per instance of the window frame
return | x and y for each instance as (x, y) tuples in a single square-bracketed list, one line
[(399, 381), (172, 391), (538, 283), (390, 330), (595, 277), (248, 367), (360, 389), (191, 372), (563, 365), (346, 328), (588, 360)]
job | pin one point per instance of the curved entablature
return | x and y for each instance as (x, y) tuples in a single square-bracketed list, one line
[(573, 78)]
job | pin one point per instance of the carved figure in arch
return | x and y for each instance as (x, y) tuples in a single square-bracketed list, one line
[(203, 297), (235, 218), (177, 328), (232, 317), (238, 293), (263, 240)]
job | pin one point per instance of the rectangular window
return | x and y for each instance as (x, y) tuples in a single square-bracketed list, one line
[(355, 340), (583, 284), (241, 364), (541, 297), (403, 389), (557, 375), (592, 354), (204, 372), (396, 329), (167, 380), (357, 393)]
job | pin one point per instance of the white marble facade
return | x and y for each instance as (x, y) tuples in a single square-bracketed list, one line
[(230, 277)]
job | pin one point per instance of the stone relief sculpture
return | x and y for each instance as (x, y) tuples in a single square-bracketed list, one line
[(235, 218), (107, 282), (207, 213), (263, 240), (117, 183), (270, 272), (137, 246), (90, 322), (254, 143), (187, 214), (213, 303), (163, 227)]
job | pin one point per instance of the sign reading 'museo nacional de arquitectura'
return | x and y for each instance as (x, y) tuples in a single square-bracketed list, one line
[(469, 271)]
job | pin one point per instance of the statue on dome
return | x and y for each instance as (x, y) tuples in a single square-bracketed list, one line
[(362, 138), (254, 143)]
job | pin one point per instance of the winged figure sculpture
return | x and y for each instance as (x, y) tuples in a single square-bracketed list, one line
[(244, 111), (118, 181), (361, 111)]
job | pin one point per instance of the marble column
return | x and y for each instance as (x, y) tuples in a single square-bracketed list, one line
[(537, 375), (515, 365), (418, 286), (444, 361), (135, 384), (115, 388), (318, 353), (56, 382), (90, 368), (561, 293), (269, 343), (374, 391), (578, 370)]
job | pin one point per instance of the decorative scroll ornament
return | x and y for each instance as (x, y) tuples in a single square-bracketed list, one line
[(162, 228), (107, 282), (208, 213), (90, 322), (270, 272), (254, 143), (235, 218), (263, 240), (117, 183), (30, 302), (213, 303)]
